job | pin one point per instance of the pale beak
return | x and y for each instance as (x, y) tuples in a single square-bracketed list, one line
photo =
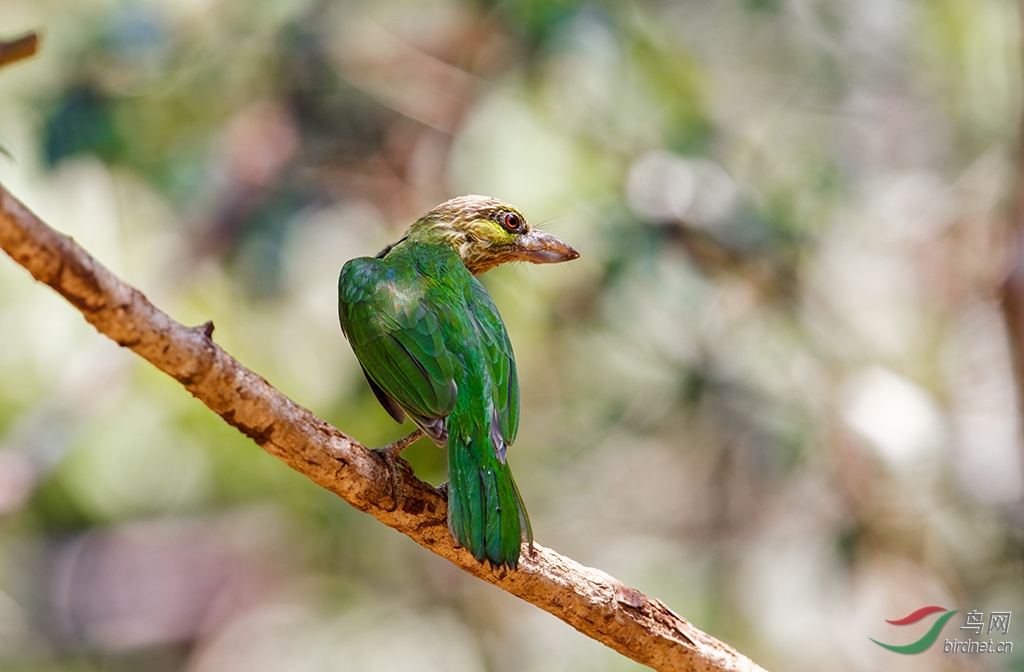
[(540, 247)]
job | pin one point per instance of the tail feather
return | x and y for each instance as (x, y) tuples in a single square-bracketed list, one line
[(463, 493), (492, 515), (485, 510), (526, 529)]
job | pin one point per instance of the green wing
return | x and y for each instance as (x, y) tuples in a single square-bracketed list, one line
[(502, 365), (486, 513), (392, 322)]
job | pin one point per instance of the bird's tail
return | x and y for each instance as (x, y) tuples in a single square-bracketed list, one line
[(485, 510)]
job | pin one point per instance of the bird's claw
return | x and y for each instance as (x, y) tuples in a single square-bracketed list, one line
[(391, 454)]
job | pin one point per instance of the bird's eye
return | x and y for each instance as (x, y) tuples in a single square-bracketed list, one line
[(512, 221)]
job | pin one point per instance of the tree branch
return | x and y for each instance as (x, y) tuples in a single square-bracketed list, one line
[(1011, 289), (18, 48), (590, 600)]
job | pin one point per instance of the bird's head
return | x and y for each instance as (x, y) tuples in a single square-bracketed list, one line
[(487, 232)]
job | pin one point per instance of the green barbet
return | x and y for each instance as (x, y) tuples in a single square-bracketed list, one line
[(433, 346)]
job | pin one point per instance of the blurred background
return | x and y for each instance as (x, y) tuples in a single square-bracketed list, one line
[(776, 391)]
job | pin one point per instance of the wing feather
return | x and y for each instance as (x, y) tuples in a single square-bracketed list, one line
[(395, 333), (501, 361)]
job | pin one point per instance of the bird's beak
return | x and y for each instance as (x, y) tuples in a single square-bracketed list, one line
[(540, 247)]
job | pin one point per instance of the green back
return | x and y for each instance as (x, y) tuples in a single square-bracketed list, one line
[(423, 327)]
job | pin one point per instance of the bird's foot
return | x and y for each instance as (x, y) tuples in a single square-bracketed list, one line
[(392, 456), (392, 451), (443, 489)]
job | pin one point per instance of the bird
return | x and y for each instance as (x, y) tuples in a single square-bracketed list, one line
[(433, 347)]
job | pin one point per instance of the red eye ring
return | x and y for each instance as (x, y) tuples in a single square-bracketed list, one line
[(512, 221)]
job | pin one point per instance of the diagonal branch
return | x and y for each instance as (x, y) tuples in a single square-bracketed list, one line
[(591, 601), (1011, 288), (18, 48)]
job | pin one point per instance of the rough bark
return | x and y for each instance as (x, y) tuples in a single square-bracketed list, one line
[(588, 599)]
